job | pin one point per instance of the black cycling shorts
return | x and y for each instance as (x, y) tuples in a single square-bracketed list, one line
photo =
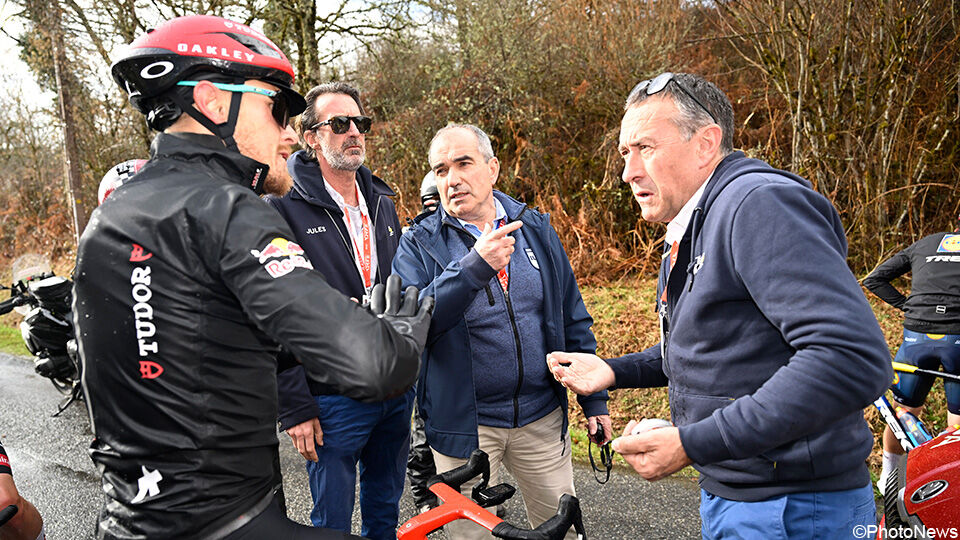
[(273, 523), (927, 351), (4, 462)]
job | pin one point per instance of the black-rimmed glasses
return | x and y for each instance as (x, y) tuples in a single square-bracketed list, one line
[(341, 124), (658, 83)]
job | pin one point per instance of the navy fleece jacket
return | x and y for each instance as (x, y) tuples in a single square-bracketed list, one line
[(446, 392), (318, 227), (772, 351)]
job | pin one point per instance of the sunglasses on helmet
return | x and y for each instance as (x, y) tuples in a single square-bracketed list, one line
[(280, 109), (658, 83), (341, 124)]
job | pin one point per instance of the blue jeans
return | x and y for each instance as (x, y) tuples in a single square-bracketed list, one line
[(377, 437), (803, 516)]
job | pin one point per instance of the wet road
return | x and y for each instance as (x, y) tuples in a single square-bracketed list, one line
[(52, 469)]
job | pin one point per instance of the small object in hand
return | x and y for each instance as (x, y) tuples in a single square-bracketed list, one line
[(649, 423), (606, 454)]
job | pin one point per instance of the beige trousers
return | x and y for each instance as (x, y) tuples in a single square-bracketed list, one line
[(537, 459)]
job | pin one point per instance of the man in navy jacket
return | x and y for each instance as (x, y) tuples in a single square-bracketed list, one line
[(343, 218), (506, 295), (768, 346)]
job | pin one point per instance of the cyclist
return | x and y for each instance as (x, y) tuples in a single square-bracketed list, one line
[(26, 524), (185, 283), (931, 326), (116, 176)]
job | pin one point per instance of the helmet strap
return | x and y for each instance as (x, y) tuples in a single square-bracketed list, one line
[(225, 130)]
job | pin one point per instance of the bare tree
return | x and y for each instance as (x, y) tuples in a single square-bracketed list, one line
[(871, 89)]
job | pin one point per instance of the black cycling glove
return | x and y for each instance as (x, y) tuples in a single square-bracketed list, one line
[(402, 312)]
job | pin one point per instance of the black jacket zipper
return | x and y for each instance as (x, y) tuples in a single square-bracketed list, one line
[(516, 339)]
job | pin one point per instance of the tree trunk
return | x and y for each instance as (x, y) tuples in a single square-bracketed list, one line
[(71, 156)]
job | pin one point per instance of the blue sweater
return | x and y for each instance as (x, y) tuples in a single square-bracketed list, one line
[(446, 392), (506, 330), (772, 351)]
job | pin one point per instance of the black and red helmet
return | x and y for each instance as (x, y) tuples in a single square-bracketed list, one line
[(117, 176), (155, 62)]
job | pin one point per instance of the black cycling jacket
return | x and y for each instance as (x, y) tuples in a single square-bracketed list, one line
[(185, 284), (933, 306)]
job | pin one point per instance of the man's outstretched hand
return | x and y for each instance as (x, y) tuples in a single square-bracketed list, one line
[(581, 372), (655, 454)]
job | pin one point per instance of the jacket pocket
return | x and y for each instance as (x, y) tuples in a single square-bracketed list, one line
[(687, 408), (790, 461)]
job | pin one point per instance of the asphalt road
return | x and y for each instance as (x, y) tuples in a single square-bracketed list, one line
[(52, 469)]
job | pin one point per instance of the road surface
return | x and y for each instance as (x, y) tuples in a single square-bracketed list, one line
[(52, 469)]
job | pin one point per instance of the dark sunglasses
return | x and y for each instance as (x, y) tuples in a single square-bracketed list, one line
[(658, 83), (341, 124), (280, 110)]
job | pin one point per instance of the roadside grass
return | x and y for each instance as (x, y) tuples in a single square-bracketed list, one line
[(625, 322), (10, 340)]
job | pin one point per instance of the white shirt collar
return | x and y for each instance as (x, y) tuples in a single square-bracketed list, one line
[(678, 225), (476, 231), (337, 198)]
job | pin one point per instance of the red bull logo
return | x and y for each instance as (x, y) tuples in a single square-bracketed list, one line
[(278, 247), (281, 256)]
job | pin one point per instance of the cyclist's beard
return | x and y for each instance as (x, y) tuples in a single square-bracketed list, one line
[(278, 182), (338, 159)]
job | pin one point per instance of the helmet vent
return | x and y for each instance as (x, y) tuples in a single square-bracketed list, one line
[(254, 44)]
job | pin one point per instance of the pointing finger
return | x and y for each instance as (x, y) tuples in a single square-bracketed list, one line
[(506, 229)]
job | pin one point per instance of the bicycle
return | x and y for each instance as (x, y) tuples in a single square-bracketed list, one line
[(922, 493), (446, 487)]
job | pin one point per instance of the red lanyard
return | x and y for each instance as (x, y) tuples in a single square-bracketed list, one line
[(674, 251), (362, 256), (502, 275)]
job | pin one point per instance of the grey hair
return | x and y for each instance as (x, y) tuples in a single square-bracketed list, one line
[(483, 140), (691, 115)]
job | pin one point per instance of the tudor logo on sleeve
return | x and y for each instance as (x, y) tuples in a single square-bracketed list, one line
[(140, 281), (280, 257)]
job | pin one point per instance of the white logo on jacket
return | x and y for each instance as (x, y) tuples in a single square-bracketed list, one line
[(316, 230), (698, 263), (533, 258), (149, 485)]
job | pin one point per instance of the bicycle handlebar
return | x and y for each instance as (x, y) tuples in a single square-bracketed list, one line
[(446, 487), (478, 463), (568, 513)]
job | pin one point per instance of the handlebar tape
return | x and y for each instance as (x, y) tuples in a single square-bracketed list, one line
[(568, 513), (478, 463)]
